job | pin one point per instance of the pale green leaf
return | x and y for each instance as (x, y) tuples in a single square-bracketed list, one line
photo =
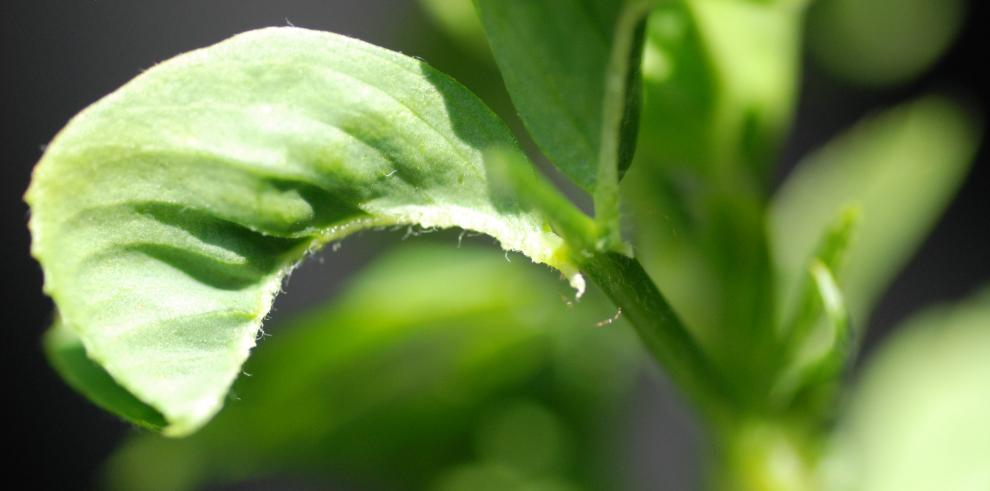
[(719, 81), (880, 42), (804, 307), (900, 168), (554, 56), (917, 419), (817, 336), (809, 376), (166, 215)]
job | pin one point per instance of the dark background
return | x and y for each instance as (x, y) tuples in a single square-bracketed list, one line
[(57, 56)]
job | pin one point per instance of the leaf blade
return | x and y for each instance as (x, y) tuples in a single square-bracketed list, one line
[(554, 57), (166, 215)]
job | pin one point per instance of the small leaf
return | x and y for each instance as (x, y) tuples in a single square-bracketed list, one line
[(555, 56), (810, 379), (900, 168), (817, 340), (917, 419), (166, 215), (807, 305)]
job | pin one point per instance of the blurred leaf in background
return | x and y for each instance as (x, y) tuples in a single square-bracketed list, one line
[(437, 367), (719, 81), (900, 168), (459, 20), (919, 417), (882, 42)]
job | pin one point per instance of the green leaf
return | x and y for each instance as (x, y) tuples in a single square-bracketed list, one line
[(917, 419), (900, 168), (68, 356), (810, 373), (459, 20), (407, 371), (882, 42), (816, 341), (555, 56), (807, 305), (515, 172), (719, 81), (166, 215)]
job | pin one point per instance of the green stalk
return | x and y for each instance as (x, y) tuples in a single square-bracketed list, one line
[(623, 279), (606, 194), (665, 337)]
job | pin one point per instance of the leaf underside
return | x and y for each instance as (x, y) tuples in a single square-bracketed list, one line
[(166, 215)]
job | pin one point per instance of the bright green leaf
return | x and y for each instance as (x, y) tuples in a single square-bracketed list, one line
[(554, 56), (917, 419), (719, 83), (166, 215), (900, 168)]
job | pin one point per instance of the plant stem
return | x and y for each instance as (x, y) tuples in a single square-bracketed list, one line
[(625, 281)]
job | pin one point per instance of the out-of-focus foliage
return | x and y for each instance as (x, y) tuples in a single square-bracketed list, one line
[(918, 417), (892, 174), (818, 336), (718, 93), (459, 20), (900, 168), (727, 70), (437, 367), (878, 42)]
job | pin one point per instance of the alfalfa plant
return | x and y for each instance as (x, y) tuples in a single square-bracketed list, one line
[(167, 215)]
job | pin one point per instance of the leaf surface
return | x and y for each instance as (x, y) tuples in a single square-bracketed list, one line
[(166, 215), (554, 57)]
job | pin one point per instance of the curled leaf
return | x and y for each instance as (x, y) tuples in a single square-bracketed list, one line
[(166, 215)]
